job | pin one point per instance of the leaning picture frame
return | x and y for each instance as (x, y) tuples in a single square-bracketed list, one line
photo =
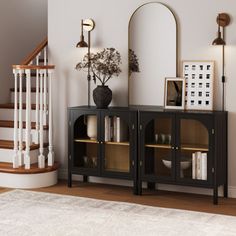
[(199, 77), (174, 93)]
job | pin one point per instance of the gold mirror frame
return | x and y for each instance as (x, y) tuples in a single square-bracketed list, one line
[(177, 43)]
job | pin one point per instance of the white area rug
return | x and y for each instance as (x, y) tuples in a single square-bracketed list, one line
[(34, 213)]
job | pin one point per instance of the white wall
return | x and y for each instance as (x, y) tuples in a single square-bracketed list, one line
[(23, 24), (197, 29)]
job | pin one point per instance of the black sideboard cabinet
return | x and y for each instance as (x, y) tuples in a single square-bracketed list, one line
[(103, 142), (154, 145)]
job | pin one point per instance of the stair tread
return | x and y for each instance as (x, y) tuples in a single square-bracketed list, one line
[(9, 144), (33, 90), (42, 60), (10, 124), (11, 106), (7, 168)]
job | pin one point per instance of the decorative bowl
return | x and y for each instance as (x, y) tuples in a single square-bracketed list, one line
[(184, 164)]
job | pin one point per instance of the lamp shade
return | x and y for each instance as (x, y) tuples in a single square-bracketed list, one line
[(82, 43), (218, 40)]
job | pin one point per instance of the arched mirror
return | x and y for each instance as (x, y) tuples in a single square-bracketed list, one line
[(153, 44)]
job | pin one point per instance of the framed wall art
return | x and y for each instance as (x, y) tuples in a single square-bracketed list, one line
[(174, 93), (199, 78)]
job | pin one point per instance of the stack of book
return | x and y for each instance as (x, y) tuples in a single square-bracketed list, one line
[(199, 165), (116, 129)]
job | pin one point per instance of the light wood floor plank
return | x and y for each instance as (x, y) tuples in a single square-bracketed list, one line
[(167, 199)]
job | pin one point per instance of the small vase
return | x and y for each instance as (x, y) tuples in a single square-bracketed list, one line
[(102, 96), (92, 127)]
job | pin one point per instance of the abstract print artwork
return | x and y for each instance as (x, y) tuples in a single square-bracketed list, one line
[(199, 77)]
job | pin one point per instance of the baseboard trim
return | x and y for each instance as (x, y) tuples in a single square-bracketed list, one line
[(63, 174)]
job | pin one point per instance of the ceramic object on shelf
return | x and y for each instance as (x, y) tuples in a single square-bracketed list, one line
[(85, 158), (94, 161), (168, 138), (184, 164), (92, 127), (156, 138)]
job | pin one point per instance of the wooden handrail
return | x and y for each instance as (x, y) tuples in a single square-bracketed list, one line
[(35, 52), (32, 67), (43, 79)]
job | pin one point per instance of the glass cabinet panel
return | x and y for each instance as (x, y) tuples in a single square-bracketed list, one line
[(158, 152), (194, 148), (117, 145), (85, 142)]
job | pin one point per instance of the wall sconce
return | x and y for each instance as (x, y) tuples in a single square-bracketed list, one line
[(87, 25), (223, 20)]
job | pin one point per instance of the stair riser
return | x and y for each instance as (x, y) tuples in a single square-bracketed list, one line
[(33, 97), (8, 114), (8, 134), (32, 82), (28, 181), (6, 155)]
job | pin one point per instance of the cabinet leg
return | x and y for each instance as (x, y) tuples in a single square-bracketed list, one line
[(151, 185), (135, 188), (215, 195), (226, 190), (85, 178), (69, 181), (140, 188)]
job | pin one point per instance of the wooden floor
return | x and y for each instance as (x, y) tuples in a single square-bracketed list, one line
[(152, 198)]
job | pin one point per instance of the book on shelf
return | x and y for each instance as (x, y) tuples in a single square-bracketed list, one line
[(199, 166), (199, 172), (204, 166), (115, 129), (107, 128), (194, 165)]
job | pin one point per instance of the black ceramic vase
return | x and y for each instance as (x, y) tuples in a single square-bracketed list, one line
[(102, 96)]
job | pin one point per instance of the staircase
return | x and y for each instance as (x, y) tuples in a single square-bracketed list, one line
[(26, 138)]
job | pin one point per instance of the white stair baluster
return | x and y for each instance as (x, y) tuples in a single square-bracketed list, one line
[(41, 157), (45, 97), (20, 152), (45, 86), (15, 157), (50, 147), (45, 56), (28, 118), (37, 103)]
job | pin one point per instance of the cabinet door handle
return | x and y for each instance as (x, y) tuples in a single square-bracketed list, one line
[(172, 148), (177, 148)]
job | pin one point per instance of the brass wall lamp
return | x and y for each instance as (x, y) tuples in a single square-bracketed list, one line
[(87, 25), (223, 20)]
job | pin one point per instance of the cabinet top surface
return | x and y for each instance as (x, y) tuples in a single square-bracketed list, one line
[(144, 109)]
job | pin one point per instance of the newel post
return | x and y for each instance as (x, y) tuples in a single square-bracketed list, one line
[(41, 157), (20, 151), (28, 119), (50, 135), (15, 156)]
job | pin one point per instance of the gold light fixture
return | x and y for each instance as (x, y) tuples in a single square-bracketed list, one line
[(87, 25), (218, 40), (223, 20), (82, 43)]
